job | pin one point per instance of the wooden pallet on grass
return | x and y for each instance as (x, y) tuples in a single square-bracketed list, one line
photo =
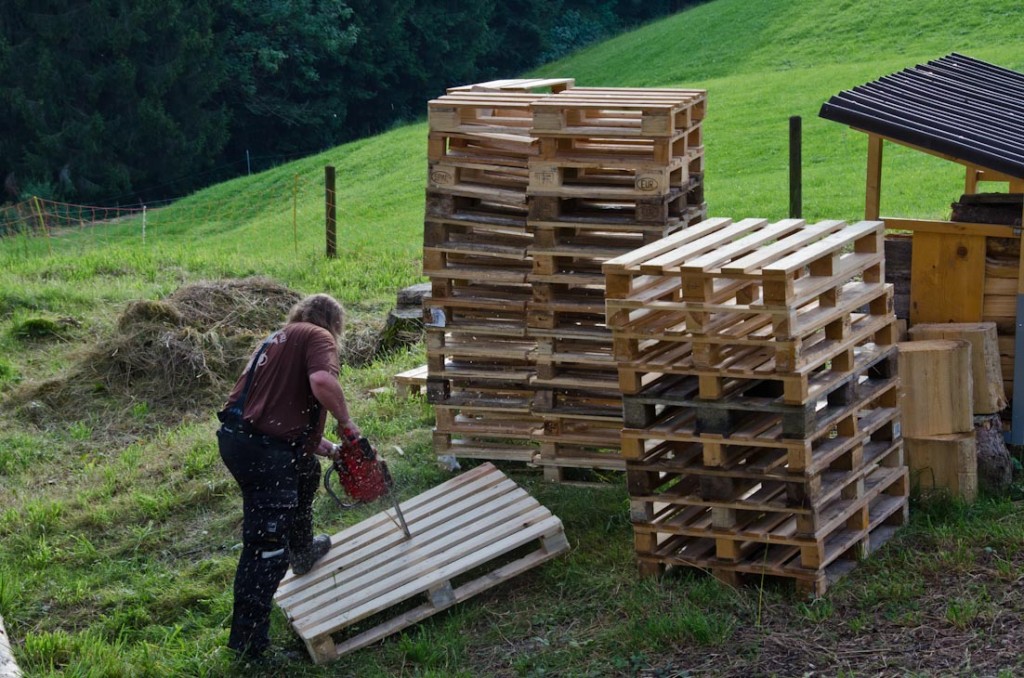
[(410, 382), (661, 550), (473, 521)]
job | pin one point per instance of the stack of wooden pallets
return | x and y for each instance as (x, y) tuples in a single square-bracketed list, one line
[(617, 169), (479, 356), (762, 418), (529, 194)]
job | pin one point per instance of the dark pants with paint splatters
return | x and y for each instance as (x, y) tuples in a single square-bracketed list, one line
[(278, 484)]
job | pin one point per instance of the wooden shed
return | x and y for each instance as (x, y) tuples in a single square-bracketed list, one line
[(969, 112)]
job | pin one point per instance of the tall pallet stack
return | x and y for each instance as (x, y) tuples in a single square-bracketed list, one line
[(762, 415), (617, 169), (529, 194), (479, 356)]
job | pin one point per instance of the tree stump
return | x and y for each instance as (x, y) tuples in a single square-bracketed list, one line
[(995, 471), (404, 325)]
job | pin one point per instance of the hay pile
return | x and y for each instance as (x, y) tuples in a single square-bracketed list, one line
[(180, 353)]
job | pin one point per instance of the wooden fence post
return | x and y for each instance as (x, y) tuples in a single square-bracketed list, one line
[(332, 222), (42, 223), (795, 168)]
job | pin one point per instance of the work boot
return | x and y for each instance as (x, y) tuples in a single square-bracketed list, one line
[(303, 560)]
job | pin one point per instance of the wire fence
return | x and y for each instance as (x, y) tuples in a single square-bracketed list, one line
[(39, 226)]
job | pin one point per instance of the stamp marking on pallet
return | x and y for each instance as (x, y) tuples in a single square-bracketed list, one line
[(466, 523)]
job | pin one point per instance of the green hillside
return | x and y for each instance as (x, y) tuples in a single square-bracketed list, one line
[(118, 523)]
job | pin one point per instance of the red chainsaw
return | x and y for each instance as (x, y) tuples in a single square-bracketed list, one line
[(363, 475)]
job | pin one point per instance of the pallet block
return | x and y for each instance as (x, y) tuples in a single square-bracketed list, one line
[(467, 524)]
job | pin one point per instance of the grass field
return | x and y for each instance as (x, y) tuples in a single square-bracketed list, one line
[(119, 526)]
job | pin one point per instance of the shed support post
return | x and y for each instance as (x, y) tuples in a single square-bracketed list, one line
[(873, 199), (971, 181), (1016, 433)]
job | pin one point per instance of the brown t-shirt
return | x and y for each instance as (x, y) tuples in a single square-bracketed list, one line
[(280, 398)]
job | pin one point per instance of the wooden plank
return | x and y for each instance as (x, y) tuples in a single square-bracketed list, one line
[(752, 263), (827, 245), (633, 259), (947, 279), (950, 227), (670, 262)]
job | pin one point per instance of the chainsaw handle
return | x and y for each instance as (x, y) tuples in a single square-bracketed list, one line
[(333, 468)]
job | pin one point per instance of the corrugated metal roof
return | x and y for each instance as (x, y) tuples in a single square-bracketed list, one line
[(957, 106)]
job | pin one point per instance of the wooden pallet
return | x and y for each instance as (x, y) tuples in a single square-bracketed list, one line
[(612, 150), (717, 272), (513, 150), (753, 405), (642, 363), (762, 436), (491, 208), (467, 524), (494, 112), (674, 207), (617, 112), (660, 550), (518, 85), (600, 180), (410, 382), (761, 489)]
